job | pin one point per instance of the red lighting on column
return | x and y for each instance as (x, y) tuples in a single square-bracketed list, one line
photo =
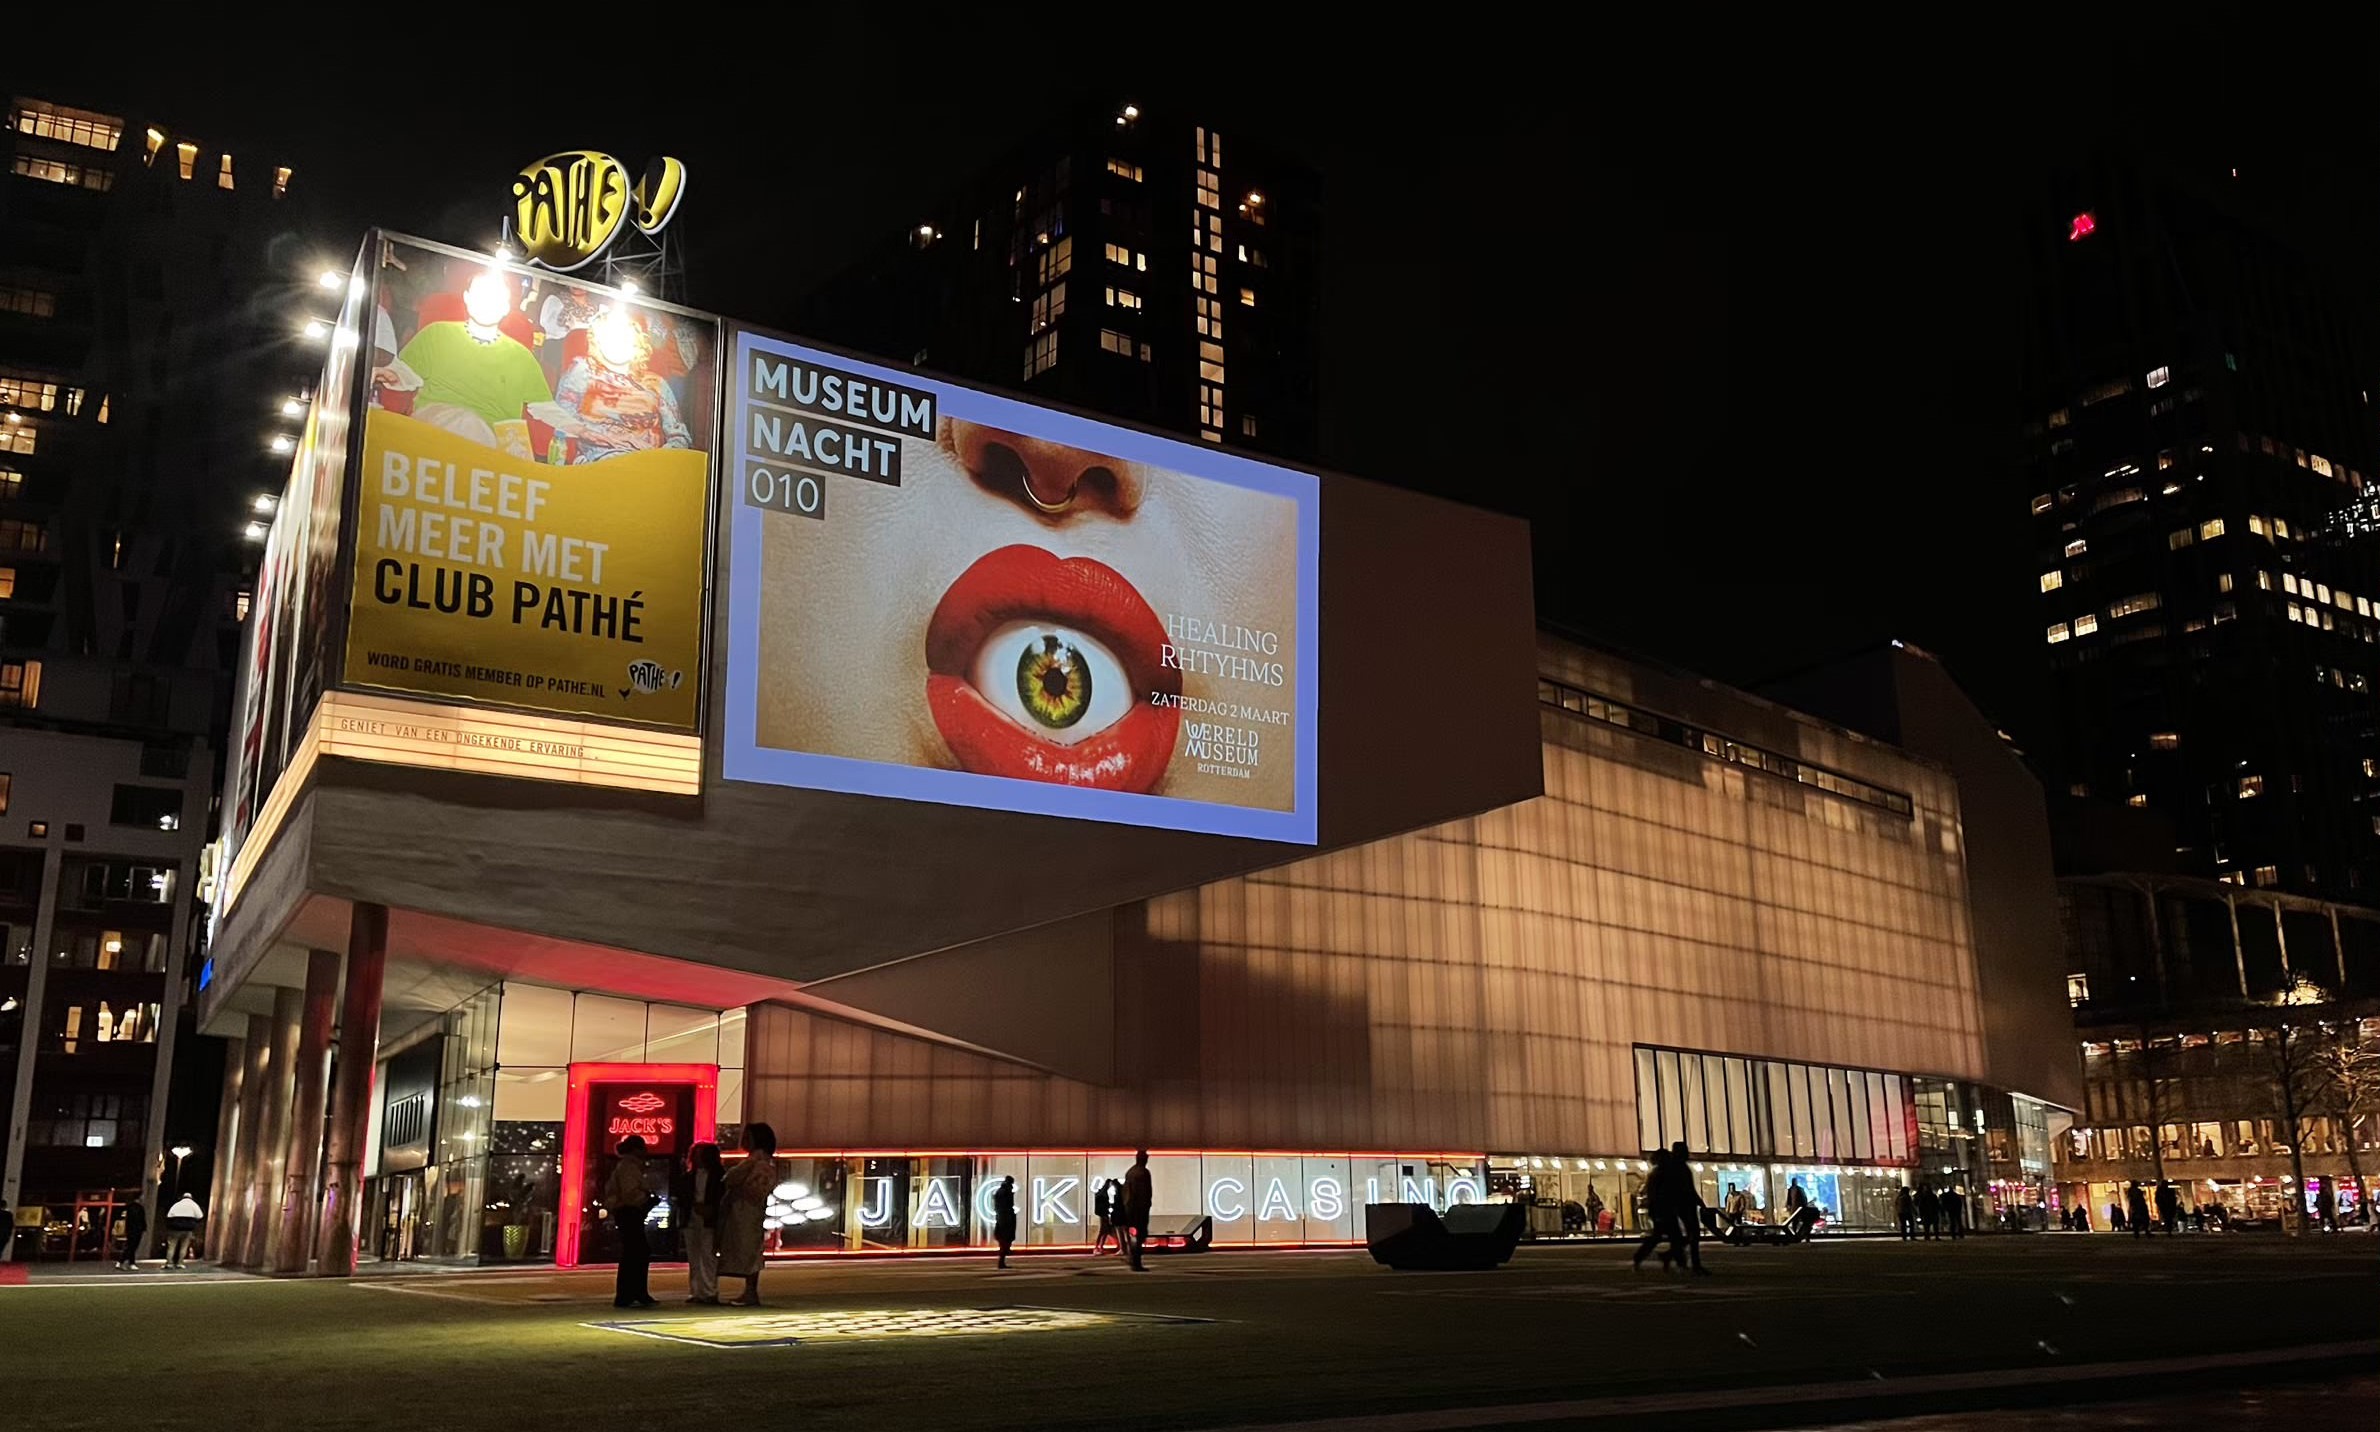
[(575, 1132), (2084, 225)]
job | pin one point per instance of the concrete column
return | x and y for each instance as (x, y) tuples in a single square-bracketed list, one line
[(351, 1097), (20, 1104), (292, 1240), (169, 1028), (227, 1221), (227, 1125), (272, 1148)]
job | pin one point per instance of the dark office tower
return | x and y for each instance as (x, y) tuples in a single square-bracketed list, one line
[(149, 292), (2200, 461), (1139, 263)]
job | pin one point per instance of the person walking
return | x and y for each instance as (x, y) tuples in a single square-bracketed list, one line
[(700, 1191), (1103, 1204), (1139, 1194), (1904, 1207), (2082, 1218), (1693, 1213), (1594, 1210), (745, 1201), (2326, 1208), (2169, 1207), (1929, 1210), (2136, 1209), (135, 1222), (181, 1227), (1954, 1211), (1658, 1215), (1004, 1217), (627, 1200), (2115, 1217)]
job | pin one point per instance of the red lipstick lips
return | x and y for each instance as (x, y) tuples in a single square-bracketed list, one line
[(1025, 583)]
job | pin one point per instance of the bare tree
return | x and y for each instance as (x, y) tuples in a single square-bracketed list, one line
[(2350, 1069), (2148, 1088), (2293, 1064)]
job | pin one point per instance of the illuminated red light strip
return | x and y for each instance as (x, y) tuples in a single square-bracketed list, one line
[(704, 1078)]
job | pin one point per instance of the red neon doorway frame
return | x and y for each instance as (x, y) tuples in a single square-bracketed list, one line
[(704, 1078)]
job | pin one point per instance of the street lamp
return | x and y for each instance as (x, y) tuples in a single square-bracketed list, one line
[(180, 1152)]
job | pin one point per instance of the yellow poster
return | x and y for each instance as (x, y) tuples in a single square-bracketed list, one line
[(484, 575)]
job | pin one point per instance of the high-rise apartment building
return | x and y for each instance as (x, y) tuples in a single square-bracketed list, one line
[(2199, 460), (150, 283), (1140, 263)]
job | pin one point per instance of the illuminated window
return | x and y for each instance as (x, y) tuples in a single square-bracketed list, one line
[(2256, 526), (2280, 529), (2211, 528), (1048, 307), (1210, 189), (2319, 463), (2051, 581), (1247, 425), (2059, 632), (156, 139), (2112, 388), (1114, 342), (2181, 538), (188, 154), (2077, 547), (2136, 800), (2085, 624), (103, 408), (1129, 258), (1210, 317), (12, 484), (19, 389), (72, 126), (223, 175), (31, 302), (2165, 740), (1123, 298), (1124, 169), (280, 181), (2061, 417), (2222, 581), (2042, 504), (58, 171), (2289, 583), (2144, 602), (2248, 788), (2371, 767), (20, 684), (2224, 612), (8, 588), (2159, 377), (240, 602), (2321, 591), (19, 438), (1057, 260), (1210, 406), (2078, 989), (2268, 875), (1041, 354)]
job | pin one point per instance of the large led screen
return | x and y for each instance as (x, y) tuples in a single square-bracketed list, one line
[(941, 595)]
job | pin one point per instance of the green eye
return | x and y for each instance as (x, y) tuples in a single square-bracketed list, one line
[(1054, 682)]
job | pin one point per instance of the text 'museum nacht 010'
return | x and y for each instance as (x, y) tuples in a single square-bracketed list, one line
[(651, 725)]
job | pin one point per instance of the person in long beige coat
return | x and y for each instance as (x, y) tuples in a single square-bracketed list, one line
[(740, 1212)]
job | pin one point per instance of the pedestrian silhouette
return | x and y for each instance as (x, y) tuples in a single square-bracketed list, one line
[(1004, 1217), (2136, 1209), (1929, 1210), (1139, 1193), (1904, 1206)]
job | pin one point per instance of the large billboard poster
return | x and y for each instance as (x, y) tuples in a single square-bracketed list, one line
[(942, 595), (533, 505), (289, 612)]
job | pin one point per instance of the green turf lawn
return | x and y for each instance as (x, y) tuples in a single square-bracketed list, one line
[(1289, 1336)]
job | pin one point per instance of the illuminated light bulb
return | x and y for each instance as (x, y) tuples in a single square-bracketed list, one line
[(330, 278), (316, 328), (256, 531), (787, 1191), (1132, 111), (355, 284), (282, 442), (820, 1215), (264, 502), (291, 407), (628, 286), (615, 338)]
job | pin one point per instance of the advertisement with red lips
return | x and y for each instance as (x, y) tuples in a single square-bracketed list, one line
[(945, 595)]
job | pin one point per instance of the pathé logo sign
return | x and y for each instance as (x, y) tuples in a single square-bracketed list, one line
[(567, 208)]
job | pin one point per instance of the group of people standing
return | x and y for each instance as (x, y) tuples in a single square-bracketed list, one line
[(1929, 1212), (721, 1212)]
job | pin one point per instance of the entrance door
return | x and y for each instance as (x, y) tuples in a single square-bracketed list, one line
[(400, 1212)]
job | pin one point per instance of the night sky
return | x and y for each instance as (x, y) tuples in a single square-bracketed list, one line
[(1738, 343)]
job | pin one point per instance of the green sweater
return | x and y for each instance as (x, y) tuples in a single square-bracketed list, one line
[(495, 380)]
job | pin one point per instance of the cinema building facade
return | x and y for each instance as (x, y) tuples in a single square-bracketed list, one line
[(1358, 888)]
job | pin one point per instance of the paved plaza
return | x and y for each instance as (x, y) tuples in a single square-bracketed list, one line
[(1828, 1334)]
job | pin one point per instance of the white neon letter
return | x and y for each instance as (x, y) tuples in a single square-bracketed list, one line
[(1425, 1192), (1462, 1184), (985, 1191), (1215, 1208), (1276, 1195), (1046, 1193), (1326, 1198), (877, 1211), (938, 1209)]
